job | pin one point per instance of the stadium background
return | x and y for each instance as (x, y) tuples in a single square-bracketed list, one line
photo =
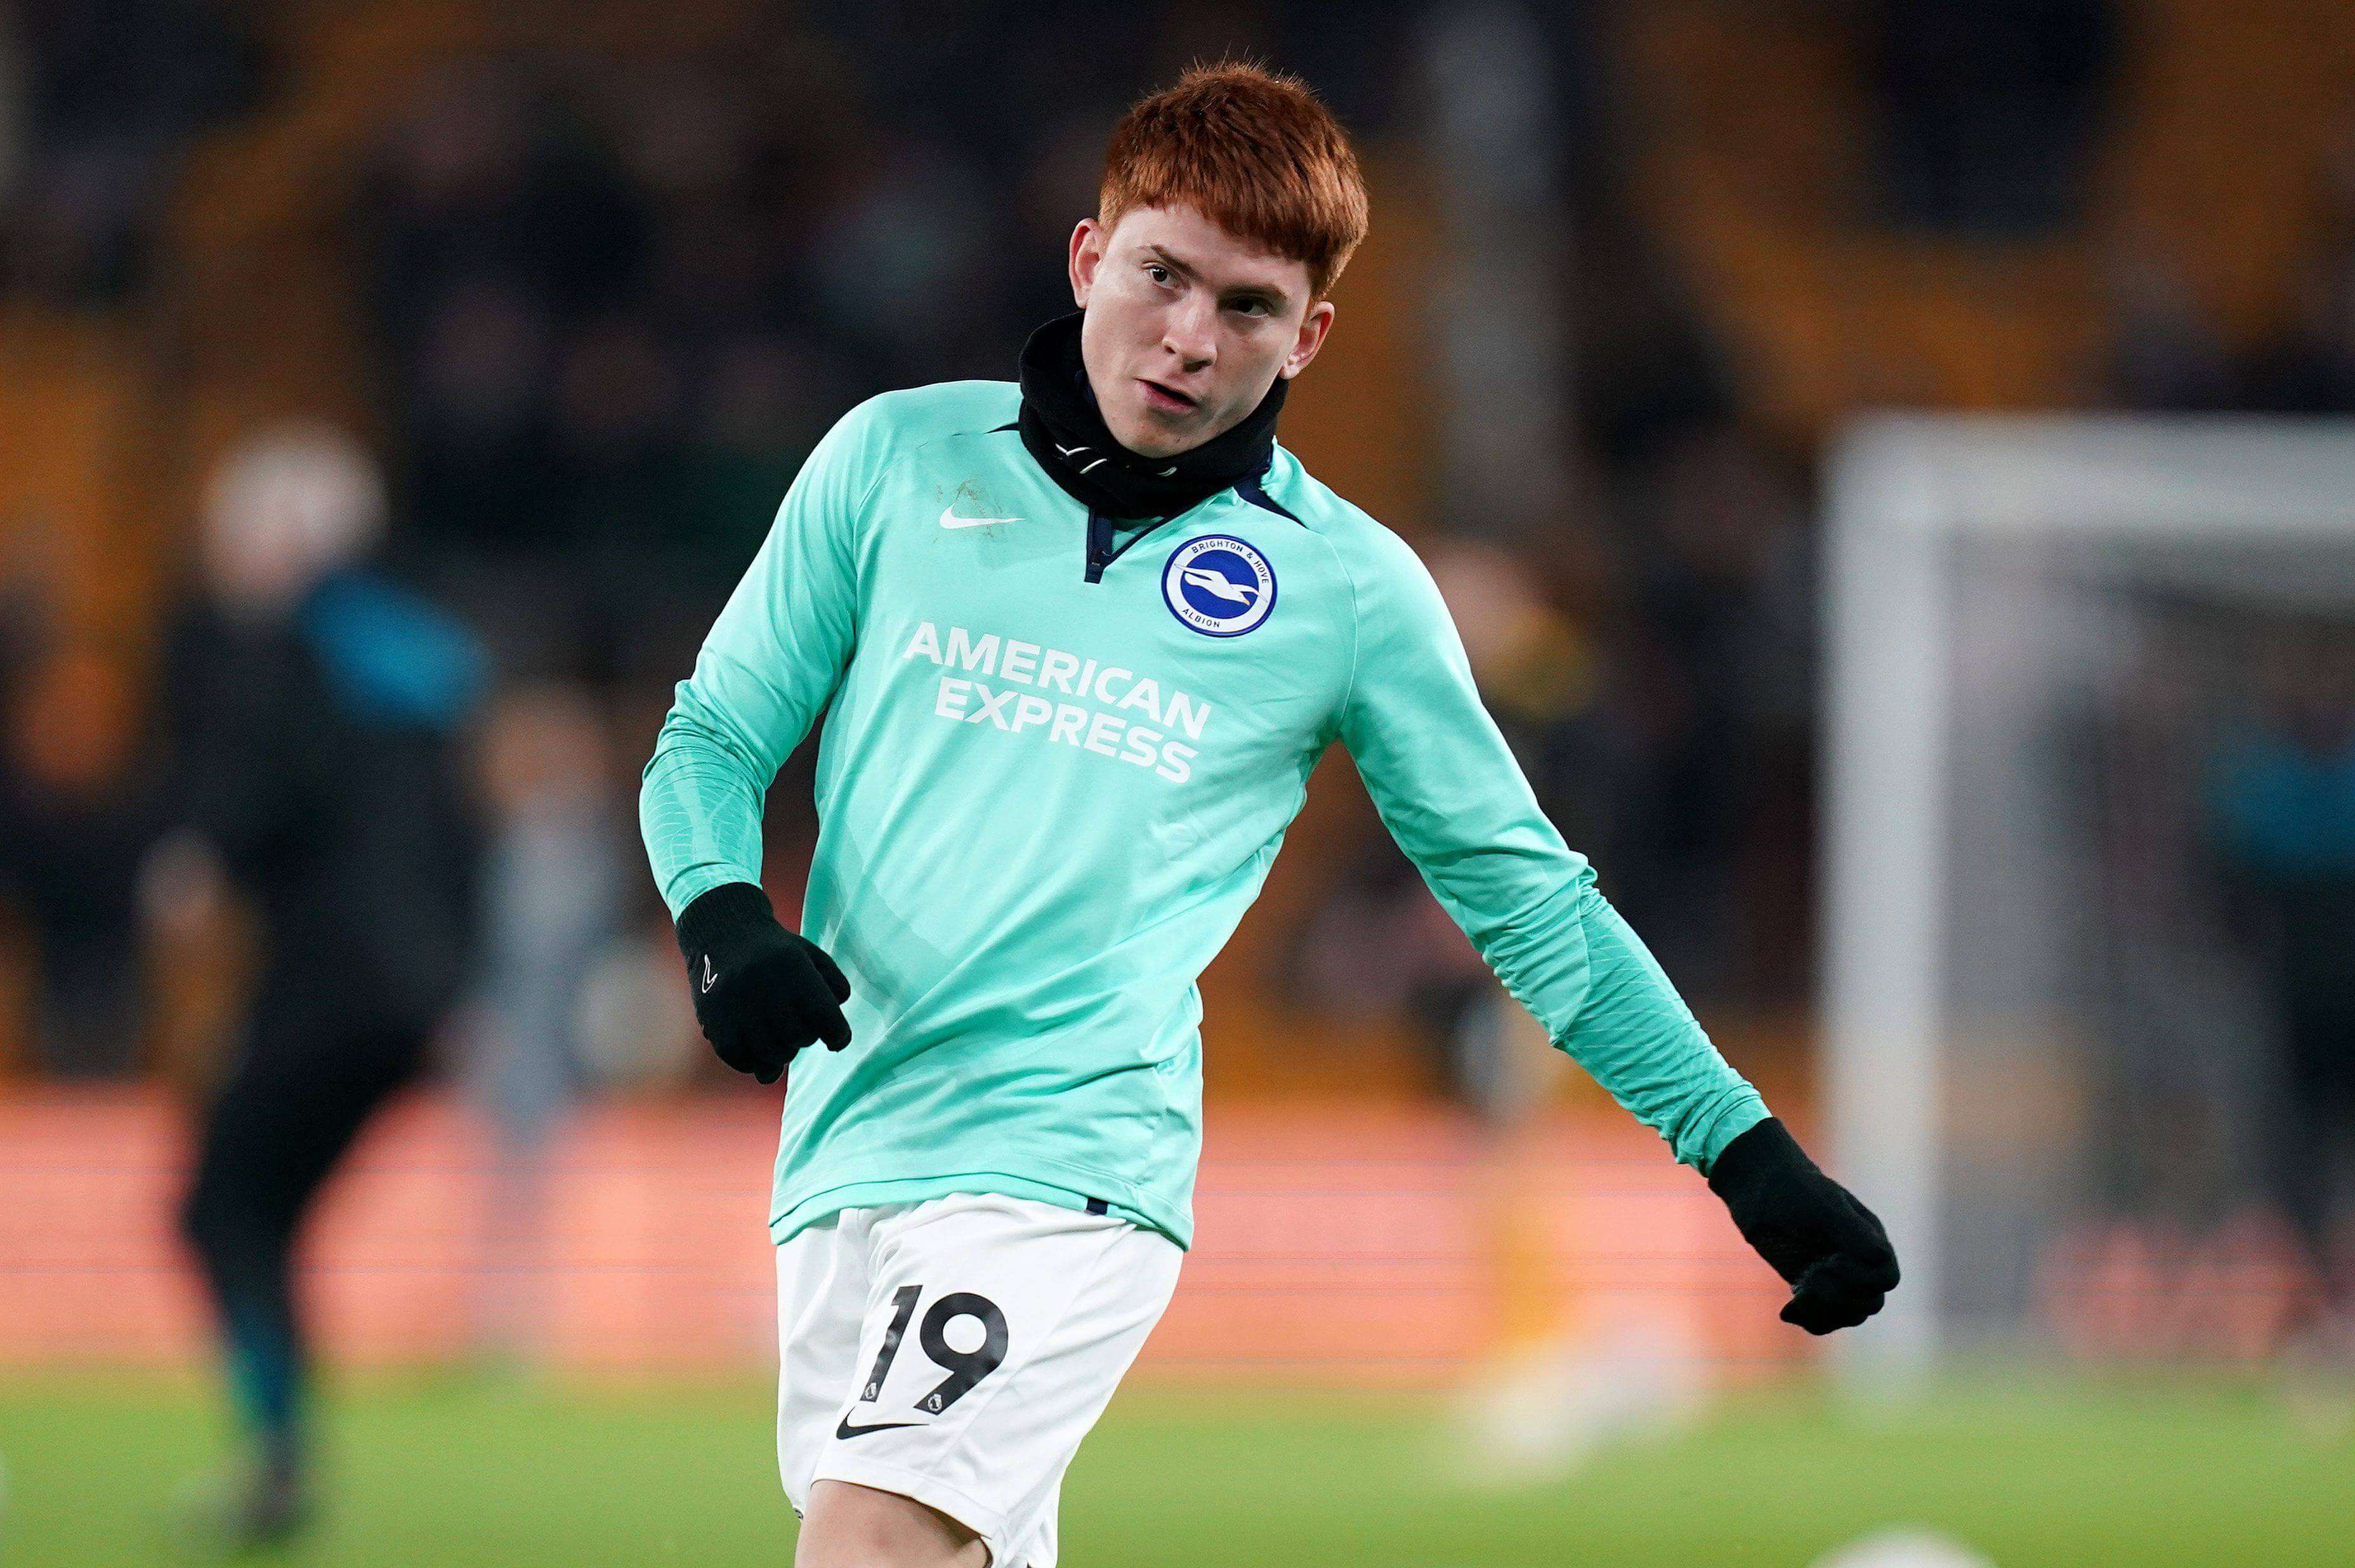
[(591, 278)]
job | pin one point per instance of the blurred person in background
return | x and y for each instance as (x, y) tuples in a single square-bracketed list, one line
[(75, 820), (552, 904), (2283, 802), (76, 816), (1012, 896), (313, 712)]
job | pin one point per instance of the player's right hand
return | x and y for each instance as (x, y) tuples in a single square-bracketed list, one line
[(762, 992)]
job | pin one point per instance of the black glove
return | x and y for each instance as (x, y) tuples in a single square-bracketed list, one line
[(1829, 1248), (760, 992)]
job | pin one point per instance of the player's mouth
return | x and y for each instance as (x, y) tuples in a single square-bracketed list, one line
[(1163, 399)]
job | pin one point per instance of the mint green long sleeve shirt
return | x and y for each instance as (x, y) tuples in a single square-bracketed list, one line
[(1047, 790)]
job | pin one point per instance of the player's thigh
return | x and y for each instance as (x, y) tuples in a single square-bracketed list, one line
[(998, 1330), (822, 1287), (851, 1526)]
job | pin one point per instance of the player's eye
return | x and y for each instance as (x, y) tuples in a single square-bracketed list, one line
[(1158, 273), (1252, 306)]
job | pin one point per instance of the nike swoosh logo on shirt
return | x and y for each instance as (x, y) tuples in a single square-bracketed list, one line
[(844, 1430), (949, 519)]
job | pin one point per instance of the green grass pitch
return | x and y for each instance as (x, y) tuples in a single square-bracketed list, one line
[(461, 1471)]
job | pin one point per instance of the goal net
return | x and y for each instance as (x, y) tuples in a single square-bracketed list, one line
[(2083, 675)]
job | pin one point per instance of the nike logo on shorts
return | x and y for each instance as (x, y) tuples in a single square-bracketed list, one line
[(844, 1430)]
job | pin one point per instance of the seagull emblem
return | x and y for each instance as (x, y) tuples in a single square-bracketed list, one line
[(1219, 586)]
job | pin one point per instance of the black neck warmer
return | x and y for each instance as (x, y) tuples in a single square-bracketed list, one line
[(1063, 430)]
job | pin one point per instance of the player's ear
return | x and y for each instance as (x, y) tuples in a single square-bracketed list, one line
[(1087, 254), (1313, 328)]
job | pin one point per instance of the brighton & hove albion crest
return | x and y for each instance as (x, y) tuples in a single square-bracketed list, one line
[(1219, 585)]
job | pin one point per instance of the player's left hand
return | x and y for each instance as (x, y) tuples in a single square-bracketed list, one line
[(1830, 1249)]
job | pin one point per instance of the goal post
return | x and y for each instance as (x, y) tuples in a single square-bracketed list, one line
[(1981, 577)]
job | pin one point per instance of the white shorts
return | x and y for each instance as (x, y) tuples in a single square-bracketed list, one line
[(956, 1350)]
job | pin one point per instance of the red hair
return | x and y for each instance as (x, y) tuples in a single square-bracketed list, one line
[(1254, 150)]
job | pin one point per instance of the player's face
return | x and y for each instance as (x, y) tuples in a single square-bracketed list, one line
[(1188, 326)]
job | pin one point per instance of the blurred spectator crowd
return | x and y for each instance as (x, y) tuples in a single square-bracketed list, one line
[(98, 104), (614, 304)]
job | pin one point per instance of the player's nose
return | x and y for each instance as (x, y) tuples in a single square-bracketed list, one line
[(1189, 333)]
